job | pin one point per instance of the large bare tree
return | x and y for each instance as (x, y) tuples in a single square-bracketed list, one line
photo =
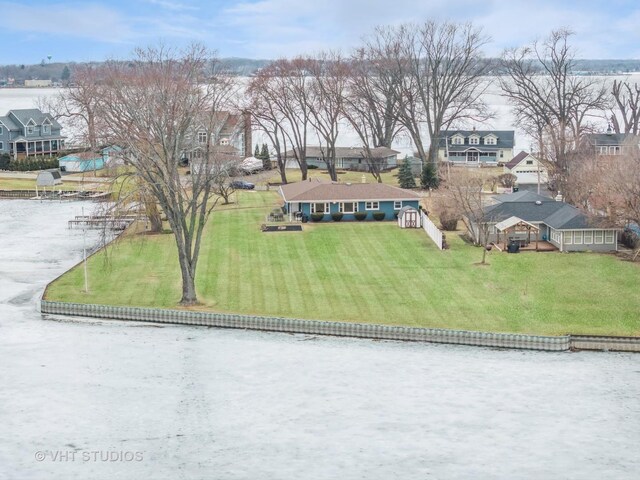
[(77, 105), (328, 84), (372, 98), (158, 108), (443, 80), (550, 101), (625, 112)]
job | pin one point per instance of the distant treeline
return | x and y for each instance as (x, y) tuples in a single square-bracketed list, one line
[(246, 67)]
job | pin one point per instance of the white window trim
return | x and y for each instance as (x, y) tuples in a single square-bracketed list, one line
[(397, 205), (588, 237), (599, 233), (355, 206), (313, 207), (609, 237), (202, 137), (369, 205), (577, 238), (30, 130), (568, 238), (474, 140), (46, 128)]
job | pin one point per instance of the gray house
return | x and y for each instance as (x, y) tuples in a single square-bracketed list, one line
[(30, 132), (349, 158), (525, 216), (610, 143)]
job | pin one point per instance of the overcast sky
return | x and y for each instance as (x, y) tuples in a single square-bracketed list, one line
[(95, 30)]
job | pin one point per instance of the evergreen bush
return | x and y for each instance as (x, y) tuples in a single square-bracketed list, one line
[(337, 216), (378, 216)]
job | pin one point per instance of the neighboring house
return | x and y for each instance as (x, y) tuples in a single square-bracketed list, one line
[(561, 224), (318, 196), (231, 134), (30, 132), (37, 83), (476, 147), (81, 162), (527, 168), (610, 143), (348, 158)]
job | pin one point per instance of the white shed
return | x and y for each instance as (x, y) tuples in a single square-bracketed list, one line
[(49, 178), (409, 217)]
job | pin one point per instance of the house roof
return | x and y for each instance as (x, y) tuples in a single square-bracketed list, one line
[(350, 152), (506, 138), (603, 139), (511, 222), (26, 114), (81, 156), (534, 208), (55, 173), (7, 122), (322, 191), (516, 160)]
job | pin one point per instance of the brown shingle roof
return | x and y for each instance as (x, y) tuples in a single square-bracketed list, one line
[(516, 160), (318, 190)]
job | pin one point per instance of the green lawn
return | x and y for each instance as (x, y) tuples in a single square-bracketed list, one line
[(17, 184), (367, 272), (294, 175)]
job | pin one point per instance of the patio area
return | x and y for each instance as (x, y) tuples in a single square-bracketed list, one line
[(543, 246)]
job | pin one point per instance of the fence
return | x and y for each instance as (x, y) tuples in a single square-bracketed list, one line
[(313, 327), (434, 232)]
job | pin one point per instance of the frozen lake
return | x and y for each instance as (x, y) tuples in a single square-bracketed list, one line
[(110, 400)]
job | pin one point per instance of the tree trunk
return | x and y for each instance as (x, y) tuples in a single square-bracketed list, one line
[(188, 288)]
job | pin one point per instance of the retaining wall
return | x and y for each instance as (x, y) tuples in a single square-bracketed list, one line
[(313, 327)]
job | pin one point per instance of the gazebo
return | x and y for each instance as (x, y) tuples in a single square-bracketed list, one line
[(516, 227)]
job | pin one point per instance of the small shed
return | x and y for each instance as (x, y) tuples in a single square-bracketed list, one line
[(409, 217), (81, 162), (49, 178)]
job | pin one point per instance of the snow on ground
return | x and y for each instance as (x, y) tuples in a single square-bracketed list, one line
[(113, 400)]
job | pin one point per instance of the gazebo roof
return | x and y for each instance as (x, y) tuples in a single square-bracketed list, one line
[(513, 221)]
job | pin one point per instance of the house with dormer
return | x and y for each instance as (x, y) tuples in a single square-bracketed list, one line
[(611, 144), (230, 134), (30, 132), (476, 147)]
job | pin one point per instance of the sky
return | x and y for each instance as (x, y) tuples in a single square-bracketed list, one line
[(89, 30)]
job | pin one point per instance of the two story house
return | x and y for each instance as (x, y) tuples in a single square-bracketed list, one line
[(30, 132), (230, 133), (476, 147)]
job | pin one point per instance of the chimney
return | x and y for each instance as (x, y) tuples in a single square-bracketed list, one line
[(559, 197), (609, 130)]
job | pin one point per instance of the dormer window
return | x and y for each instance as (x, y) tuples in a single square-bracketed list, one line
[(30, 130), (46, 127), (224, 141), (474, 140), (457, 140), (202, 137), (490, 140)]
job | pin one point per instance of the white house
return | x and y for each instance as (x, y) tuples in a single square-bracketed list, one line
[(528, 169)]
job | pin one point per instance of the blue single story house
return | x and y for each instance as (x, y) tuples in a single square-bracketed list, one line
[(81, 162), (316, 196)]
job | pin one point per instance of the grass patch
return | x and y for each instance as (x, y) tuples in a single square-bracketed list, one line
[(367, 272)]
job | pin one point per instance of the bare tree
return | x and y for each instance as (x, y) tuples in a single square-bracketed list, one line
[(77, 104), (269, 117), (625, 113), (465, 193), (157, 108), (328, 83), (550, 101), (372, 99), (442, 78)]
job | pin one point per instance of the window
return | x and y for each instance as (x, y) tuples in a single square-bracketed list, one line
[(457, 140), (474, 140), (608, 236), (568, 238), (577, 238), (349, 207), (224, 141), (1, 145), (529, 162), (29, 130), (501, 153), (319, 208), (490, 140), (588, 237), (599, 237), (46, 129), (372, 206), (604, 150), (202, 137), (397, 205), (614, 150)]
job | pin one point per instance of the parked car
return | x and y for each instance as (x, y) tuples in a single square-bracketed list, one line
[(242, 185)]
